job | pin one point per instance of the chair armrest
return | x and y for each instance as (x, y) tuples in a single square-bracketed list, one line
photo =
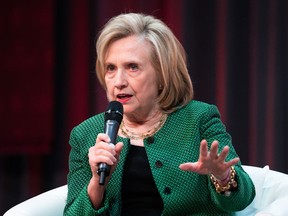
[(50, 203), (271, 192)]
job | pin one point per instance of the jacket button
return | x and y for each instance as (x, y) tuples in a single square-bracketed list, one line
[(167, 190), (158, 164), (150, 140)]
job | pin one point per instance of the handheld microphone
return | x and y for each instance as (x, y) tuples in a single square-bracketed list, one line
[(113, 117)]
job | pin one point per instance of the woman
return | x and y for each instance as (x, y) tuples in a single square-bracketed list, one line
[(173, 156)]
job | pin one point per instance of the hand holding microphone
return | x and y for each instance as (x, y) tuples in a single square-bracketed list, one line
[(101, 152), (113, 117)]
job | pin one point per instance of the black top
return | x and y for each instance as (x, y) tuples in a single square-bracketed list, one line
[(139, 193)]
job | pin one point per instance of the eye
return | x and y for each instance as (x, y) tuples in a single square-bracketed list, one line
[(133, 67), (110, 68)]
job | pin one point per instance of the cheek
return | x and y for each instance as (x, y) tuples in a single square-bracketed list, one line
[(149, 89), (108, 83), (109, 89)]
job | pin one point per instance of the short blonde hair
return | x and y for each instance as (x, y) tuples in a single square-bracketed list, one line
[(168, 56)]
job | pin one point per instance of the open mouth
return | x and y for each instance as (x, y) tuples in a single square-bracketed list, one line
[(123, 96)]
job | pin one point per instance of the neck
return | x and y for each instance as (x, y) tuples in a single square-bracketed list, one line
[(141, 129), (139, 123)]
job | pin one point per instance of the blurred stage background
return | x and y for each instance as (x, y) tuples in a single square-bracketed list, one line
[(237, 53)]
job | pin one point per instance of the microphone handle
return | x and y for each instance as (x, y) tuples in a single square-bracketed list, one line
[(111, 129)]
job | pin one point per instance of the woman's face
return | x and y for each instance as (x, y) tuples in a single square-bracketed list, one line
[(130, 77)]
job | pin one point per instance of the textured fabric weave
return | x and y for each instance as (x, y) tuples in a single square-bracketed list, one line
[(183, 193)]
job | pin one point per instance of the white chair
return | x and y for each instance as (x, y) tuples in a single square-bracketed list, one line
[(50, 203), (271, 197)]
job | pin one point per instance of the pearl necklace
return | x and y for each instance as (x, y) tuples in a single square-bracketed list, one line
[(135, 136)]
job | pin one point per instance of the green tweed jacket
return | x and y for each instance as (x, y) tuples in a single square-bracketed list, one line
[(183, 193)]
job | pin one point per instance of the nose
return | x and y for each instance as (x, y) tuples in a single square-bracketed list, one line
[(120, 80)]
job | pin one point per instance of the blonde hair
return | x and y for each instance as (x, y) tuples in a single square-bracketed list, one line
[(168, 56)]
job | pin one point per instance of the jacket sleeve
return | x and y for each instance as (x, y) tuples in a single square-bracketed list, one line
[(78, 202), (213, 129)]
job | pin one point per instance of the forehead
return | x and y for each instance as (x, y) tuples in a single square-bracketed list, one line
[(135, 45)]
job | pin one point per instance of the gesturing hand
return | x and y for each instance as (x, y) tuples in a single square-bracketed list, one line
[(210, 162)]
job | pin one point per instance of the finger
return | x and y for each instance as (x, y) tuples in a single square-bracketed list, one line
[(101, 155), (105, 152), (105, 159), (103, 137), (233, 162), (111, 146), (119, 147), (214, 150), (222, 156), (188, 167), (105, 146), (102, 149), (95, 161), (203, 148), (194, 167)]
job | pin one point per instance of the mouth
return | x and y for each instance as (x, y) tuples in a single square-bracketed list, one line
[(123, 96)]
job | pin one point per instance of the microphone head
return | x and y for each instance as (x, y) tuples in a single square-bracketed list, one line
[(114, 112)]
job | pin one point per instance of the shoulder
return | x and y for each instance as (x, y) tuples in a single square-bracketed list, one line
[(88, 128), (196, 114), (199, 108), (91, 122)]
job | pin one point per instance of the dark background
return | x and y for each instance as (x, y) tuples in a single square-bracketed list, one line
[(237, 53)]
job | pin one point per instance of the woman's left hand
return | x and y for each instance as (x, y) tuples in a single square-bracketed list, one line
[(210, 162)]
